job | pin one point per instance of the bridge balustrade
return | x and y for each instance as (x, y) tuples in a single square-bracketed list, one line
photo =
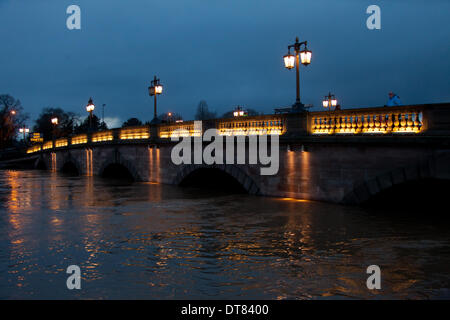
[(257, 125), (405, 119), (61, 143), (130, 133), (47, 145), (103, 136), (434, 119), (34, 148), (182, 129), (79, 139)]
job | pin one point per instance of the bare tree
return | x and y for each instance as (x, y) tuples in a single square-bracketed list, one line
[(11, 118)]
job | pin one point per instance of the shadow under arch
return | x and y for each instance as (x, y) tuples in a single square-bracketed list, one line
[(412, 186), (424, 195), (70, 168), (229, 177), (40, 164), (119, 169)]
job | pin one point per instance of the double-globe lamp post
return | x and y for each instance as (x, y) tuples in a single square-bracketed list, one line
[(24, 131), (329, 101), (293, 60), (155, 89)]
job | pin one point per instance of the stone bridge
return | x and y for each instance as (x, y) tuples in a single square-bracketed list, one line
[(346, 156)]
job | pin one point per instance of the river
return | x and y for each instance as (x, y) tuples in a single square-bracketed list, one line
[(153, 241)]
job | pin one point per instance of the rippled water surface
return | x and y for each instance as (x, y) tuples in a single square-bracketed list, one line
[(162, 242)]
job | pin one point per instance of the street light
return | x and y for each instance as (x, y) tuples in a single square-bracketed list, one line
[(329, 101), (24, 130), (103, 112), (239, 112), (293, 60), (155, 89), (13, 112), (90, 108), (55, 123)]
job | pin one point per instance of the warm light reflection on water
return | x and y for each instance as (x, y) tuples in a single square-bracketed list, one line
[(151, 240)]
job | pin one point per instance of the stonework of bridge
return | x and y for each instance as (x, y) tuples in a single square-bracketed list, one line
[(344, 156)]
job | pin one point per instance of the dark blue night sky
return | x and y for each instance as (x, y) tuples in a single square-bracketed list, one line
[(227, 52)]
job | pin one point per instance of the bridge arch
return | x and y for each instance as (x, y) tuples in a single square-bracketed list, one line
[(232, 171), (436, 169), (40, 164), (118, 163), (70, 165)]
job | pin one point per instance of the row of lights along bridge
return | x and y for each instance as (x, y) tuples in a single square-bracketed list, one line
[(301, 55)]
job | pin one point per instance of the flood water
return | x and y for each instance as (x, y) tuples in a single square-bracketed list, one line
[(152, 241)]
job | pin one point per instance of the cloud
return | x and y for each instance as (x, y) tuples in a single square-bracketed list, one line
[(113, 122)]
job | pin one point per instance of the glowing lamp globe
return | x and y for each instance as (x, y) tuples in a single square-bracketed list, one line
[(158, 89), (305, 57), (289, 61)]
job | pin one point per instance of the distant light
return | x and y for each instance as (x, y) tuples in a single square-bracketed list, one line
[(158, 89), (55, 121), (90, 106)]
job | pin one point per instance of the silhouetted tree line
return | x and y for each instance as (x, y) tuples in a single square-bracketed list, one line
[(68, 123)]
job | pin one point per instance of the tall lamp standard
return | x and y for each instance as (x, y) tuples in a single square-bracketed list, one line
[(90, 108), (103, 113), (24, 130), (155, 89), (330, 101), (291, 61), (55, 124)]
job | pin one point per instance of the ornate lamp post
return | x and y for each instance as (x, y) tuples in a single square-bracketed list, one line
[(239, 112), (155, 89), (329, 101), (291, 61), (55, 124), (90, 108)]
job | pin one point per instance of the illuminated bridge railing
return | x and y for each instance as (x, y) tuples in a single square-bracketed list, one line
[(432, 119), (247, 126), (61, 143), (134, 133), (79, 139), (103, 136), (182, 129), (404, 119), (47, 145), (35, 148)]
